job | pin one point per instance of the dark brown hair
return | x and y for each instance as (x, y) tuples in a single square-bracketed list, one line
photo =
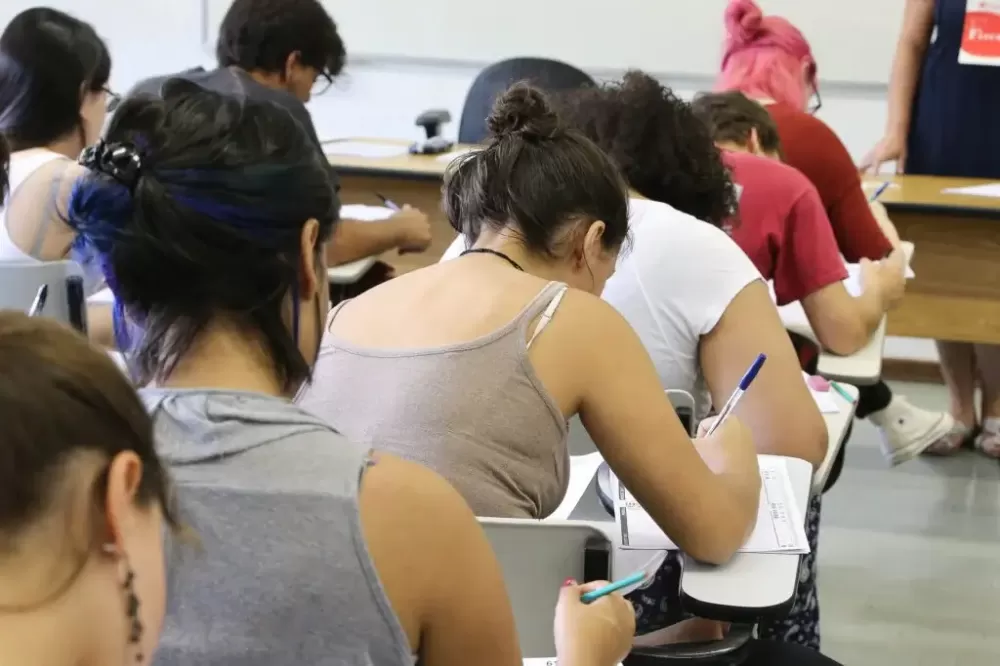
[(4, 168), (60, 397), (665, 152), (535, 176), (730, 116)]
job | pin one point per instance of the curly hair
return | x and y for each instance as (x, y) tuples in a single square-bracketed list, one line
[(665, 152)]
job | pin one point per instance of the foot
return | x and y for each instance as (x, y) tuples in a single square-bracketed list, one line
[(960, 436), (988, 441), (908, 431)]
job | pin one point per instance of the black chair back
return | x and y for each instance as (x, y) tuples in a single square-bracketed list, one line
[(547, 74)]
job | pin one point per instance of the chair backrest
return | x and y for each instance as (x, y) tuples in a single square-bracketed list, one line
[(20, 281), (536, 558), (546, 74)]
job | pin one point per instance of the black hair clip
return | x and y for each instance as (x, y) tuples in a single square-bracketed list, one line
[(121, 161)]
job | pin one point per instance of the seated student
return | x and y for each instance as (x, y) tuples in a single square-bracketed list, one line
[(473, 366), (769, 60), (77, 453), (313, 548), (783, 228), (54, 72), (284, 51)]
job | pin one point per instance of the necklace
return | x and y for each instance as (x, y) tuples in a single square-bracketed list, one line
[(486, 250)]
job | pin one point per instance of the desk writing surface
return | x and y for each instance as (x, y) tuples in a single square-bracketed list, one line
[(425, 167), (916, 192), (747, 581)]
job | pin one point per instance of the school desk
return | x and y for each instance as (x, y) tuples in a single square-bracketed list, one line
[(956, 292)]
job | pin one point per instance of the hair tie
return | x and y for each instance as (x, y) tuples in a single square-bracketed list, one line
[(121, 161)]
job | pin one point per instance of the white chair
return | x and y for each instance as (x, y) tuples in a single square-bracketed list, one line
[(536, 558), (20, 281)]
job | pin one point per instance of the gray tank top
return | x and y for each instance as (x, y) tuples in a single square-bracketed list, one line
[(474, 412), (282, 575)]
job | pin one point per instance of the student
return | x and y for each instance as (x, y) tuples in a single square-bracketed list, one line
[(284, 51), (696, 301), (83, 504), (942, 122), (769, 60), (4, 167), (313, 547), (783, 228), (54, 72), (473, 366)]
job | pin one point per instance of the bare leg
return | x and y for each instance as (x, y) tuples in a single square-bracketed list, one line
[(958, 366), (988, 363)]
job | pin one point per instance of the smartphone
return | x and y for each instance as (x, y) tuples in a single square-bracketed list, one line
[(76, 303)]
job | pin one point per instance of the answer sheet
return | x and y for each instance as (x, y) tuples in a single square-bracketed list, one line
[(363, 213), (780, 524), (991, 190), (363, 149)]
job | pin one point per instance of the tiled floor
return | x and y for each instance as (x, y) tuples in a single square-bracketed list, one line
[(909, 557)]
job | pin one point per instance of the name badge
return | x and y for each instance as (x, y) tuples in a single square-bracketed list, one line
[(981, 34)]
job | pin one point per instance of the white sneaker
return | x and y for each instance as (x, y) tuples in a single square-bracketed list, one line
[(907, 431)]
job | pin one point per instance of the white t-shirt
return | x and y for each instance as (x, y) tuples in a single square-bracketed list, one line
[(672, 287)]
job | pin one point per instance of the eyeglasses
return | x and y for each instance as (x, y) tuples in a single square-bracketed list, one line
[(815, 101), (113, 99), (322, 84)]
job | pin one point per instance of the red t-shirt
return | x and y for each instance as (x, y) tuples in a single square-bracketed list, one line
[(812, 148), (783, 228)]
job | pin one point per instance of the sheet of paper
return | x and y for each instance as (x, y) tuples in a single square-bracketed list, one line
[(991, 190), (104, 296), (363, 149), (780, 527), (363, 213), (582, 470)]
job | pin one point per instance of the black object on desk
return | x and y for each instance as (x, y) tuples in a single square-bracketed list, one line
[(75, 303), (434, 144)]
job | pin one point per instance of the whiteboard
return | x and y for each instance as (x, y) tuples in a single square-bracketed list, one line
[(853, 40)]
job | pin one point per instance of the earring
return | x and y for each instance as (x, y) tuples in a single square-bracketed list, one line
[(132, 610)]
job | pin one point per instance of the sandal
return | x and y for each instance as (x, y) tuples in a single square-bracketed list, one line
[(960, 435), (988, 441)]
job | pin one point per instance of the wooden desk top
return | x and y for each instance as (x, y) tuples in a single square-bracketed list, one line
[(429, 167), (925, 194)]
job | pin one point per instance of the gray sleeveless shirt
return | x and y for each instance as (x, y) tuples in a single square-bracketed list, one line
[(282, 575), (474, 412)]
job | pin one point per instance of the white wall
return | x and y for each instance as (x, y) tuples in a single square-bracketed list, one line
[(381, 98)]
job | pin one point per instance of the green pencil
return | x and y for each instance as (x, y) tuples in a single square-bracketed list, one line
[(842, 391)]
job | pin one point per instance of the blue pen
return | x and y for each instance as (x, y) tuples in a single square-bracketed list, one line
[(879, 190), (594, 595), (744, 384), (389, 203)]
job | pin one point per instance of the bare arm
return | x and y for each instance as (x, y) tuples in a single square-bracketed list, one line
[(707, 511), (779, 411), (918, 20), (409, 230), (100, 327), (438, 569), (844, 323), (354, 240)]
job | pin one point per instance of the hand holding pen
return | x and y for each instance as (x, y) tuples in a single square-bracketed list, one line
[(414, 228)]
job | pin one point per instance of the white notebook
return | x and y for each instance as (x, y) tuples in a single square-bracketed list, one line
[(780, 524)]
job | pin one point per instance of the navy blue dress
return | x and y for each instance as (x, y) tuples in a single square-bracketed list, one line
[(955, 127)]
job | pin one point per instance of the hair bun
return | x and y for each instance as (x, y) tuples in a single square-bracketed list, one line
[(523, 110), (744, 21)]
